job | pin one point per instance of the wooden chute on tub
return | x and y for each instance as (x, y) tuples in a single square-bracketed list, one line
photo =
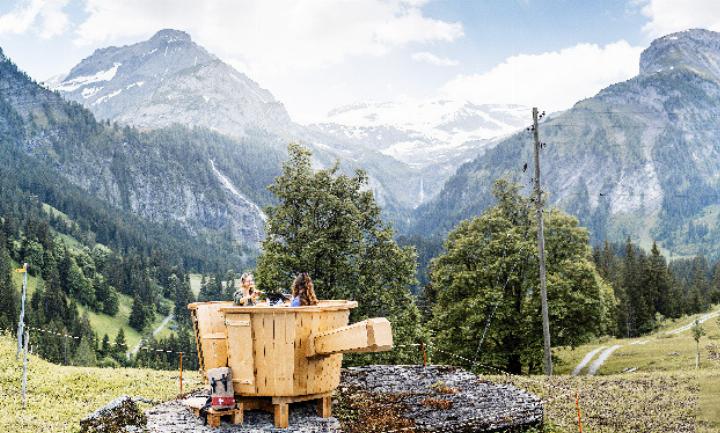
[(285, 354)]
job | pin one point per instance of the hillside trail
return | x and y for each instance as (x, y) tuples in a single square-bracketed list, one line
[(155, 332), (702, 319), (605, 352), (586, 359)]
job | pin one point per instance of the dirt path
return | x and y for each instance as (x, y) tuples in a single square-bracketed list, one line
[(604, 355), (155, 332), (606, 352), (701, 319), (588, 357)]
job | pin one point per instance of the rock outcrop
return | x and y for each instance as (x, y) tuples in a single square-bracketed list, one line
[(432, 399), (121, 415)]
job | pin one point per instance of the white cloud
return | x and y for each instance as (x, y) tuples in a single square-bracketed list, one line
[(669, 16), (427, 57), (45, 17), (553, 80), (275, 35)]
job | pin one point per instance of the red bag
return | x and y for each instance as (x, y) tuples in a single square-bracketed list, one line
[(221, 388)]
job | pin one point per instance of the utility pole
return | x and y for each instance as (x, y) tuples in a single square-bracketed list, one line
[(21, 322), (541, 247)]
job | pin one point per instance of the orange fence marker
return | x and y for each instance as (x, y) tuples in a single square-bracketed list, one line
[(577, 404), (181, 381)]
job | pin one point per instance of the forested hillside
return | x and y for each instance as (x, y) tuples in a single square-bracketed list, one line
[(194, 182)]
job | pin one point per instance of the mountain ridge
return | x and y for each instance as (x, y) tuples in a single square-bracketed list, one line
[(162, 176), (637, 159), (143, 85)]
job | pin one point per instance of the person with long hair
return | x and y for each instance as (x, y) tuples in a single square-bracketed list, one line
[(303, 292), (246, 295)]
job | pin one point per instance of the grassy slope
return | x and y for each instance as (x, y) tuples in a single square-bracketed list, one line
[(646, 402), (101, 323), (195, 280), (658, 354), (104, 324), (58, 397)]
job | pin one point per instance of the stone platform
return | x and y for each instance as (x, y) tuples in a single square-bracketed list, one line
[(386, 398), (434, 399)]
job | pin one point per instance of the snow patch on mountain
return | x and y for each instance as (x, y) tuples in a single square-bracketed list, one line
[(425, 132), (83, 80), (108, 96)]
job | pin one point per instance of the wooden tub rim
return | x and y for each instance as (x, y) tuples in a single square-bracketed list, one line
[(324, 305)]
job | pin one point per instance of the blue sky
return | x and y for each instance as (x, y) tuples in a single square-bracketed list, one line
[(315, 55)]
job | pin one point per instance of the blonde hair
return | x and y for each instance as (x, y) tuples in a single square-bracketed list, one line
[(244, 277), (303, 287)]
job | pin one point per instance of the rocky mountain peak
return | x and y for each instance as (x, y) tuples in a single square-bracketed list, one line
[(171, 35), (695, 49), (170, 79)]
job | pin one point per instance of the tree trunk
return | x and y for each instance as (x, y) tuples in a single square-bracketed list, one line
[(514, 364)]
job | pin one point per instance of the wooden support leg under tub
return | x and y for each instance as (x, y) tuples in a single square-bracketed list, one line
[(281, 409), (324, 407), (281, 415)]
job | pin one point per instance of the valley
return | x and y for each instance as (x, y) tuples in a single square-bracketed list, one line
[(165, 165)]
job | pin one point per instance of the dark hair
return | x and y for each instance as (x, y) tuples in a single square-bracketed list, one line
[(303, 287)]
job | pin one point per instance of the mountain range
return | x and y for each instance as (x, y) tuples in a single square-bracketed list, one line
[(182, 137), (194, 180), (408, 149), (639, 159)]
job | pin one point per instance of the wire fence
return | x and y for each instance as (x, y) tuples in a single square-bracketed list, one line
[(425, 355)]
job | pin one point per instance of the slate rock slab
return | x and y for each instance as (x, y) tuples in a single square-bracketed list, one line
[(121, 415), (433, 399)]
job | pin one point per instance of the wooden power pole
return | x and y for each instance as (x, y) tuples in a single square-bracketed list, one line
[(541, 248)]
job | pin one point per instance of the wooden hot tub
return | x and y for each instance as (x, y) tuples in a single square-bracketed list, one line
[(287, 353)]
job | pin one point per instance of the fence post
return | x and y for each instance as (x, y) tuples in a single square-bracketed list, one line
[(21, 322), (180, 354), (577, 404), (25, 365), (424, 353)]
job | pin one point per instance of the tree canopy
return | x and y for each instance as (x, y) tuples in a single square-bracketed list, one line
[(328, 224), (486, 286)]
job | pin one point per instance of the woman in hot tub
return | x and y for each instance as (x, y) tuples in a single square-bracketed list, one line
[(303, 292)]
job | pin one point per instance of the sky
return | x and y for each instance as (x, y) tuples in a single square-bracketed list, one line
[(316, 55)]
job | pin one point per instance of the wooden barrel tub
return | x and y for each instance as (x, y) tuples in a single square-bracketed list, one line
[(290, 353)]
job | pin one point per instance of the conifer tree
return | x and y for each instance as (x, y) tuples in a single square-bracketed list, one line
[(84, 354), (658, 284), (138, 315), (183, 296), (8, 292), (120, 347), (105, 349)]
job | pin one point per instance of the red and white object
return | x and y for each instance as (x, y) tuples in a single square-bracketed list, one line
[(221, 388)]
